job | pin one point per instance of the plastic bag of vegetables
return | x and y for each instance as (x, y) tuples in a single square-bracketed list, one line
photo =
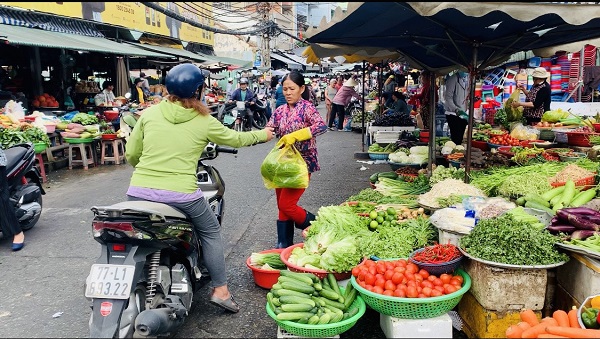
[(512, 113), (284, 168)]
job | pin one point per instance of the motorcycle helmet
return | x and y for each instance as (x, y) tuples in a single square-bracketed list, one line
[(184, 80), (244, 81)]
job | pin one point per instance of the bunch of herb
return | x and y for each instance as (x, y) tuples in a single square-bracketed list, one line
[(518, 185), (450, 200), (369, 194), (508, 241)]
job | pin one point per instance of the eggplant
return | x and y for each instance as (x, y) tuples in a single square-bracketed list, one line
[(555, 221), (594, 218), (581, 211), (581, 222), (559, 228), (583, 234)]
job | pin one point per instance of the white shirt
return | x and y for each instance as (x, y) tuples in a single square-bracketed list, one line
[(3, 160)]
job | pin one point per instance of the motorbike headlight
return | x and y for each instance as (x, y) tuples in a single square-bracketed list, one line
[(234, 112)]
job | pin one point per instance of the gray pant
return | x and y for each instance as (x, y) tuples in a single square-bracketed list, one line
[(208, 231)]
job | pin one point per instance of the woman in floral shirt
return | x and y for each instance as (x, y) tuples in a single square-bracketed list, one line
[(298, 122), (8, 220)]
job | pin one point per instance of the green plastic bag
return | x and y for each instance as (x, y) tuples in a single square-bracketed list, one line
[(512, 113), (284, 168)]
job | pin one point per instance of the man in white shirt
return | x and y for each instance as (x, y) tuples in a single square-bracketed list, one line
[(455, 105), (229, 88)]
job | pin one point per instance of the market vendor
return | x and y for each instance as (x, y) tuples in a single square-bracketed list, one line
[(538, 98), (455, 105), (106, 97), (399, 105), (137, 94)]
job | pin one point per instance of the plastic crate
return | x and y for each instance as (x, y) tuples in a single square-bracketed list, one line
[(584, 183)]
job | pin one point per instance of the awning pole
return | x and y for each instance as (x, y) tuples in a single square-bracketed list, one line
[(472, 73), (363, 107), (432, 105)]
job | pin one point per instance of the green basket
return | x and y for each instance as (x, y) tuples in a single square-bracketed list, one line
[(39, 147), (413, 308), (78, 140), (547, 135), (322, 330)]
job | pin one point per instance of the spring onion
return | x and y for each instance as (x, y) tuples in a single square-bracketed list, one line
[(267, 261), (391, 187)]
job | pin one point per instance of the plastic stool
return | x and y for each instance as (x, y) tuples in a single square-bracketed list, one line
[(118, 151), (83, 156), (40, 160)]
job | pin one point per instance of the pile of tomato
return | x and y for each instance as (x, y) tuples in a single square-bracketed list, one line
[(401, 278), (505, 139)]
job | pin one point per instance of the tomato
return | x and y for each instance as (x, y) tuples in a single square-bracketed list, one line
[(421, 295), (423, 272), (369, 279), (373, 270), (355, 271), (426, 283), (388, 293), (411, 292), (380, 282), (397, 278), (431, 278), (439, 288), (362, 284), (455, 282), (401, 287), (450, 289), (389, 285), (411, 283), (389, 266), (379, 275), (436, 293), (427, 291), (437, 282), (410, 267), (399, 269), (361, 275), (378, 290), (459, 278), (445, 278), (368, 263), (369, 288), (380, 267), (418, 278), (402, 263), (410, 276), (388, 274), (399, 293)]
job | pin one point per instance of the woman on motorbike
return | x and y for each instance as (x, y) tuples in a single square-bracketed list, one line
[(8, 220), (165, 146), (298, 122)]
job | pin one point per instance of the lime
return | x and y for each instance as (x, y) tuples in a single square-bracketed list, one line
[(386, 223), (373, 214), (373, 225), (391, 211), (381, 213), (380, 219), (394, 222), (389, 217)]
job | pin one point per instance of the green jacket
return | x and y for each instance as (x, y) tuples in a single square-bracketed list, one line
[(167, 141)]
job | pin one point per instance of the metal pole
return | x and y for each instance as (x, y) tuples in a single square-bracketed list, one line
[(363, 107), (581, 56), (432, 105), (472, 74)]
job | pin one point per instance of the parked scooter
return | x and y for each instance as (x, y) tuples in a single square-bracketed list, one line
[(24, 184), (261, 111), (143, 283)]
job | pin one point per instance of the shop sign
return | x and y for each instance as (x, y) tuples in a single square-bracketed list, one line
[(134, 15)]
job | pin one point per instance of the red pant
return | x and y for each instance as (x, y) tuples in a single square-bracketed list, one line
[(287, 203)]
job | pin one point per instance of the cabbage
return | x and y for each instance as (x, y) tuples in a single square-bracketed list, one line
[(450, 144), (341, 256), (419, 150), (446, 150), (417, 158), (555, 115), (398, 157)]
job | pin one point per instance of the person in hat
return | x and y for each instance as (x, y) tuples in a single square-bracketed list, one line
[(389, 86), (137, 93), (229, 88), (340, 101), (145, 84), (537, 99)]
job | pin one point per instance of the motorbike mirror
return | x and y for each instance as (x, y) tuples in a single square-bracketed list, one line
[(127, 95)]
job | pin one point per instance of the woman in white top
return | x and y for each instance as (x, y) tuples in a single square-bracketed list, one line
[(330, 92), (106, 97)]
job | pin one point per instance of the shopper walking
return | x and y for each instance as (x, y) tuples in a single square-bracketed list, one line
[(298, 122), (455, 104), (164, 147), (8, 220), (330, 92), (340, 101)]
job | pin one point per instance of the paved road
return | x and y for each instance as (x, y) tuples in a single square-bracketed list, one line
[(42, 285)]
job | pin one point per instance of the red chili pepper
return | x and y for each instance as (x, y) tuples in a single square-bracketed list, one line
[(437, 253)]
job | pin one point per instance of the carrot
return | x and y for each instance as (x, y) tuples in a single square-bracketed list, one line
[(528, 316), (514, 331), (573, 332), (548, 335), (549, 321), (534, 331), (573, 322), (523, 325), (561, 318)]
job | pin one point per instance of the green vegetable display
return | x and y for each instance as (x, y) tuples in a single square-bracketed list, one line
[(10, 136), (369, 194), (270, 260), (84, 119), (508, 241), (440, 173), (517, 185)]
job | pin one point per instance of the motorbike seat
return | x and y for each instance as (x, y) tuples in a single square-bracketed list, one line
[(13, 156), (142, 206)]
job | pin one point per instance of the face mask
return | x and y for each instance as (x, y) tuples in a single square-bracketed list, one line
[(462, 74)]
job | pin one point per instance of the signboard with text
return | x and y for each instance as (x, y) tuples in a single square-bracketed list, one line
[(136, 16)]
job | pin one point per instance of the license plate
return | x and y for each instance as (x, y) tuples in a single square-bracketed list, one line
[(228, 119), (110, 281)]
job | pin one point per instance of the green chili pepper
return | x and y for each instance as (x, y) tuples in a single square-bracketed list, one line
[(589, 316)]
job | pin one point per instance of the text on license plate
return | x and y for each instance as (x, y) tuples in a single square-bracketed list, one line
[(110, 281)]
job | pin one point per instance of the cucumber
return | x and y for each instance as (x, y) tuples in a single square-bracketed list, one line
[(289, 299), (318, 286), (534, 197), (313, 320), (350, 298), (295, 276), (299, 287), (389, 175), (333, 303), (293, 315), (282, 291), (299, 275), (294, 281), (329, 294), (373, 178), (324, 319), (537, 206), (333, 283), (556, 199), (568, 193), (552, 193), (520, 201), (303, 320), (318, 301), (583, 197), (297, 307)]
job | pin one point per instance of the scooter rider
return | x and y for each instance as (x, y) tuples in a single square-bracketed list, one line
[(245, 94), (165, 172)]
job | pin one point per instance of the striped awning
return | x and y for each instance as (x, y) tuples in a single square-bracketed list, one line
[(171, 51), (47, 23), (18, 35)]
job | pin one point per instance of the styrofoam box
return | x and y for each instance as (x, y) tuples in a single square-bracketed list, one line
[(504, 289), (438, 327), (580, 276), (281, 333), (446, 237)]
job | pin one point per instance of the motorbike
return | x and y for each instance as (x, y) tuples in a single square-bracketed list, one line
[(260, 110), (24, 184), (150, 265), (230, 114)]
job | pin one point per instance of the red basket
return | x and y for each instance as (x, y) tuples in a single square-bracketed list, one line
[(584, 183), (285, 254), (482, 145), (489, 114), (264, 278), (579, 138)]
